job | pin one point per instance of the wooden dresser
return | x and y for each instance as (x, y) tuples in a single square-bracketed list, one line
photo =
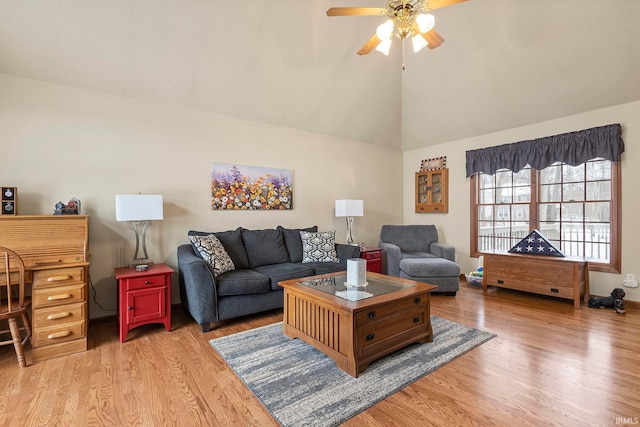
[(54, 250), (561, 277)]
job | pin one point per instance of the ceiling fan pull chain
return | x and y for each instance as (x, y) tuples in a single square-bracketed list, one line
[(402, 54)]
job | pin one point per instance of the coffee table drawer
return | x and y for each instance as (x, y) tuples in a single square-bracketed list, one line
[(376, 313), (394, 329)]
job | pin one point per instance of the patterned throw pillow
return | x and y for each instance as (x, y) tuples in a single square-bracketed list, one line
[(319, 247), (214, 254)]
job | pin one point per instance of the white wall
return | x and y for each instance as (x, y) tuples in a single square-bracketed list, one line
[(454, 227), (58, 142)]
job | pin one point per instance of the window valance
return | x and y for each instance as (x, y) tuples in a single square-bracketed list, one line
[(573, 148)]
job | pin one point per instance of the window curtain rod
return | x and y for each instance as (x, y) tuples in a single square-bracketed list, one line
[(573, 148)]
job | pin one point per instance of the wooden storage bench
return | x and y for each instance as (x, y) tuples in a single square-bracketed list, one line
[(561, 277)]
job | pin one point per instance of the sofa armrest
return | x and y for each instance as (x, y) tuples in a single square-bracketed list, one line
[(443, 251), (197, 286), (345, 252), (390, 259)]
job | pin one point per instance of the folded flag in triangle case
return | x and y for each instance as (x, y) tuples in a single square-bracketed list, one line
[(535, 244)]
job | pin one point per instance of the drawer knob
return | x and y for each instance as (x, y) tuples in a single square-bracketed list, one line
[(371, 336), (146, 282), (60, 315), (417, 300), (58, 278), (371, 314), (130, 308), (58, 297), (60, 334), (416, 320)]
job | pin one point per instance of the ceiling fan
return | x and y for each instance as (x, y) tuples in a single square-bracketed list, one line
[(407, 19)]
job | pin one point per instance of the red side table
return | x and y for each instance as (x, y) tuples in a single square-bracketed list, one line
[(143, 297), (374, 259)]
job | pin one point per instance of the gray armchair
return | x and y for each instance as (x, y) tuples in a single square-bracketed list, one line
[(413, 252)]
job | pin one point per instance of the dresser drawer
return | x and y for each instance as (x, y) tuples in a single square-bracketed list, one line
[(561, 290), (50, 316), (58, 276), (58, 333), (60, 295), (47, 261), (375, 254), (376, 313), (145, 282)]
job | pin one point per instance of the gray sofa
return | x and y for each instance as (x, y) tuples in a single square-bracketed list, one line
[(413, 252), (261, 258)]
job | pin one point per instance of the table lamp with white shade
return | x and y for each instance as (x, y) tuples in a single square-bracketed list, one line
[(349, 208), (139, 209)]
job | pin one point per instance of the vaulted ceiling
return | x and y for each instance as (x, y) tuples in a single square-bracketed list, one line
[(504, 63)]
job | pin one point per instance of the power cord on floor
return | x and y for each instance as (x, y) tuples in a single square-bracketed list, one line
[(95, 296)]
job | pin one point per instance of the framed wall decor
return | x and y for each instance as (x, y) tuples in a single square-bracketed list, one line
[(241, 187), (433, 164), (9, 197)]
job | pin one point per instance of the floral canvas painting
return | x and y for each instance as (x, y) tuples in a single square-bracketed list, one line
[(239, 187)]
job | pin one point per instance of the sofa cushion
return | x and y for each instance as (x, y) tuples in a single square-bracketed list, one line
[(242, 282), (407, 255), (265, 247), (325, 267), (285, 271), (214, 254), (429, 267), (233, 244), (319, 247), (410, 238), (293, 241)]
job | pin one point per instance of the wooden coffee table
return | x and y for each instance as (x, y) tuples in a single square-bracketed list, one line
[(323, 312)]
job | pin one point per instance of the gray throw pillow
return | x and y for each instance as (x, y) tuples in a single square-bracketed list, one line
[(214, 254), (319, 247), (265, 247), (293, 241)]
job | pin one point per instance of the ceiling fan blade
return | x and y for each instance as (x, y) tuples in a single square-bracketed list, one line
[(437, 4), (355, 11), (433, 38), (369, 45)]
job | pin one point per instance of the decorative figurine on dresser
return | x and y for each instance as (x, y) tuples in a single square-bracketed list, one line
[(54, 250)]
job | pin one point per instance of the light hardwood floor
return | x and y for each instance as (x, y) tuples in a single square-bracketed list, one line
[(548, 365)]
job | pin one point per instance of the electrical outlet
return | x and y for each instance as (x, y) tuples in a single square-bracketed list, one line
[(630, 281)]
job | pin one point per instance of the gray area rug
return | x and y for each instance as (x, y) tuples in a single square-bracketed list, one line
[(301, 386)]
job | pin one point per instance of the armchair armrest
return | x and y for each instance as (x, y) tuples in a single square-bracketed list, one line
[(345, 252), (443, 251), (198, 290), (390, 259)]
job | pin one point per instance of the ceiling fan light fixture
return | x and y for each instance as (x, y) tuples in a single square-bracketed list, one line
[(418, 42), (384, 46), (425, 22), (385, 30)]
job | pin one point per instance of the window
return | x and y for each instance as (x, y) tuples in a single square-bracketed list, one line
[(575, 207)]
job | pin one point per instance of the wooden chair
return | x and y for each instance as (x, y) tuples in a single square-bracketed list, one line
[(13, 303)]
